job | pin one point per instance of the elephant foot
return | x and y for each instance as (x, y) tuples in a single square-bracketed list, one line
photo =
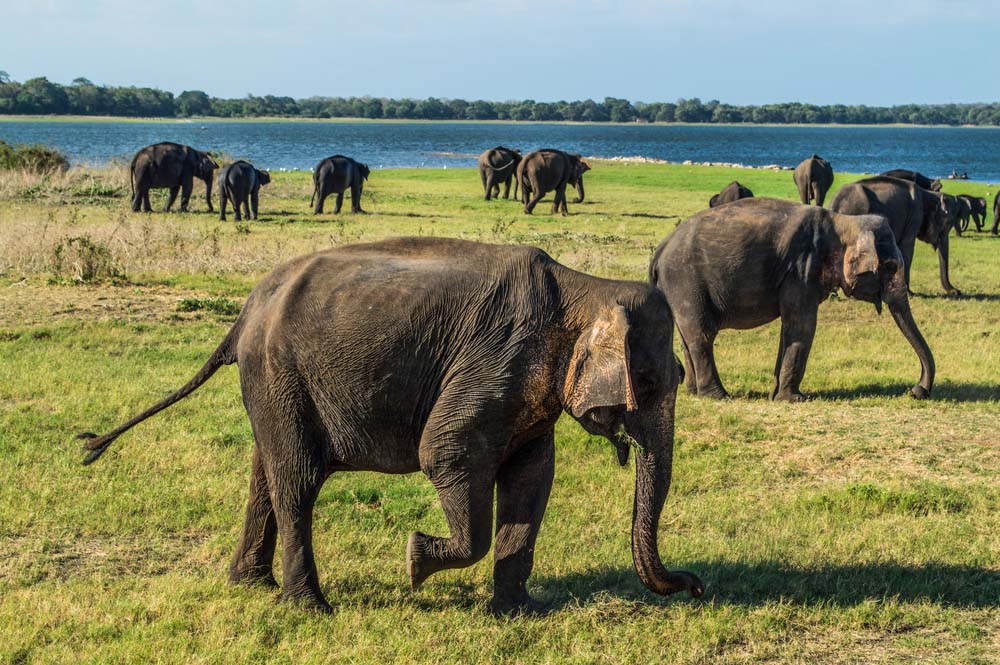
[(788, 396), (713, 392), (418, 568), (311, 600), (262, 578), (952, 291), (521, 605), (919, 392)]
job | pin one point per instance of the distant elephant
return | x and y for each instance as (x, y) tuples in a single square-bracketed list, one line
[(734, 191), (498, 165), (549, 170), (173, 166), (813, 178), (996, 213), (240, 182), (334, 175), (745, 264), (914, 176), (454, 358), (977, 210), (962, 213), (913, 212)]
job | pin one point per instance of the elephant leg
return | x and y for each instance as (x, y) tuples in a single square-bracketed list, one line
[(246, 205), (137, 199), (340, 203), (486, 187), (255, 203), (171, 197), (254, 556), (690, 380), (942, 252), (187, 186), (320, 194), (506, 188), (356, 198), (798, 327), (820, 193), (488, 184), (803, 192), (559, 202), (523, 485), (906, 249), (700, 345), (466, 495), (536, 196), (237, 202), (146, 205), (223, 199)]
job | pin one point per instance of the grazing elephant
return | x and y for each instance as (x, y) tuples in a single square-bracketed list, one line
[(813, 178), (734, 191), (240, 182), (173, 166), (334, 175), (549, 170), (498, 165), (913, 212), (996, 213), (747, 263), (453, 358), (977, 210), (962, 212), (914, 176)]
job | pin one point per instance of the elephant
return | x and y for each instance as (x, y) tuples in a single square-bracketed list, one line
[(962, 213), (813, 178), (745, 264), (547, 170), (734, 191), (240, 182), (914, 176), (498, 165), (913, 212), (996, 213), (977, 210), (454, 358), (170, 165), (334, 175)]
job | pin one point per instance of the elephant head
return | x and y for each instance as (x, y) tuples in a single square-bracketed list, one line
[(940, 215), (204, 169), (263, 177), (621, 383), (873, 271), (578, 167), (363, 168)]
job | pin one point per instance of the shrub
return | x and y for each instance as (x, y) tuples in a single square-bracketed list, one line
[(84, 260), (33, 158)]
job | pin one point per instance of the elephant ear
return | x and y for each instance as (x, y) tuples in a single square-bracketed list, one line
[(599, 374), (861, 266)]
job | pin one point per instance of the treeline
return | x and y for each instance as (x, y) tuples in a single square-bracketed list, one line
[(39, 96)]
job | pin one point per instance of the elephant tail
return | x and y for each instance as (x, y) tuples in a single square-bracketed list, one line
[(312, 199), (225, 354), (131, 174)]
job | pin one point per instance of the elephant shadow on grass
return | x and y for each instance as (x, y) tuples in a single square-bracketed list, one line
[(944, 391), (751, 584)]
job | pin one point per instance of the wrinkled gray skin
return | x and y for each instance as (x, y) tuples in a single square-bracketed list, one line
[(813, 178), (976, 211), (996, 213), (745, 264), (453, 358), (335, 175), (734, 191), (913, 212), (240, 182), (914, 176), (173, 166), (498, 165), (550, 170)]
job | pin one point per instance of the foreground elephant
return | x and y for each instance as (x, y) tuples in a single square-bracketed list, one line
[(977, 210), (547, 170), (335, 175), (456, 359), (914, 176), (173, 166), (813, 178), (745, 264), (913, 212), (240, 182), (734, 191), (498, 165)]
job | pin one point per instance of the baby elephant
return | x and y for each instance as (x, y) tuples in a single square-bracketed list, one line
[(335, 175), (734, 191), (240, 182), (745, 264)]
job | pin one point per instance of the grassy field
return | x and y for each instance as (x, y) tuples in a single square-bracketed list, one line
[(860, 526)]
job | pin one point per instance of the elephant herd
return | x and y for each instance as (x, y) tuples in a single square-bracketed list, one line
[(456, 358)]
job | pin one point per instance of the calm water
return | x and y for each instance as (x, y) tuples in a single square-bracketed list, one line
[(298, 145)]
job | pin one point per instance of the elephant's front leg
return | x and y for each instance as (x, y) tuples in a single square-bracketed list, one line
[(187, 186), (171, 197), (523, 485), (798, 327)]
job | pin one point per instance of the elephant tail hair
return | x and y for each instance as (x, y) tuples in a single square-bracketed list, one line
[(225, 354)]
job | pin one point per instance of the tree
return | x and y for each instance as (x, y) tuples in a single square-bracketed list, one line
[(80, 80), (193, 102), (4, 77)]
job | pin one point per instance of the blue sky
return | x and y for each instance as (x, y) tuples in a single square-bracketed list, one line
[(877, 52)]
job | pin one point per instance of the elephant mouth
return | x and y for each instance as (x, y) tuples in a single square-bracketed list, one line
[(609, 422)]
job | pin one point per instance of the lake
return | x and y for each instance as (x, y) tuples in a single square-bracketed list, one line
[(300, 145)]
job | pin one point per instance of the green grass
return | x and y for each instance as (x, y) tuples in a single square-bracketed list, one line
[(860, 526)]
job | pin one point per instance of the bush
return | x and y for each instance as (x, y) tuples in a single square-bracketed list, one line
[(84, 260), (33, 158)]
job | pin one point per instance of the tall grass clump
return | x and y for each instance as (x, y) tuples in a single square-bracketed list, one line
[(32, 158)]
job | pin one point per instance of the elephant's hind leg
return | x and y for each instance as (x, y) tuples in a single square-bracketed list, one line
[(523, 485), (254, 557), (699, 343)]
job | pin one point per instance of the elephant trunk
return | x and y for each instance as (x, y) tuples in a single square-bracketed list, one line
[(579, 190), (899, 305), (653, 467)]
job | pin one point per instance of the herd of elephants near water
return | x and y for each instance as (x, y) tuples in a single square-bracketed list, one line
[(456, 358)]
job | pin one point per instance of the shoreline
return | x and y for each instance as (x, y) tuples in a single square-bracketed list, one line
[(397, 121)]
